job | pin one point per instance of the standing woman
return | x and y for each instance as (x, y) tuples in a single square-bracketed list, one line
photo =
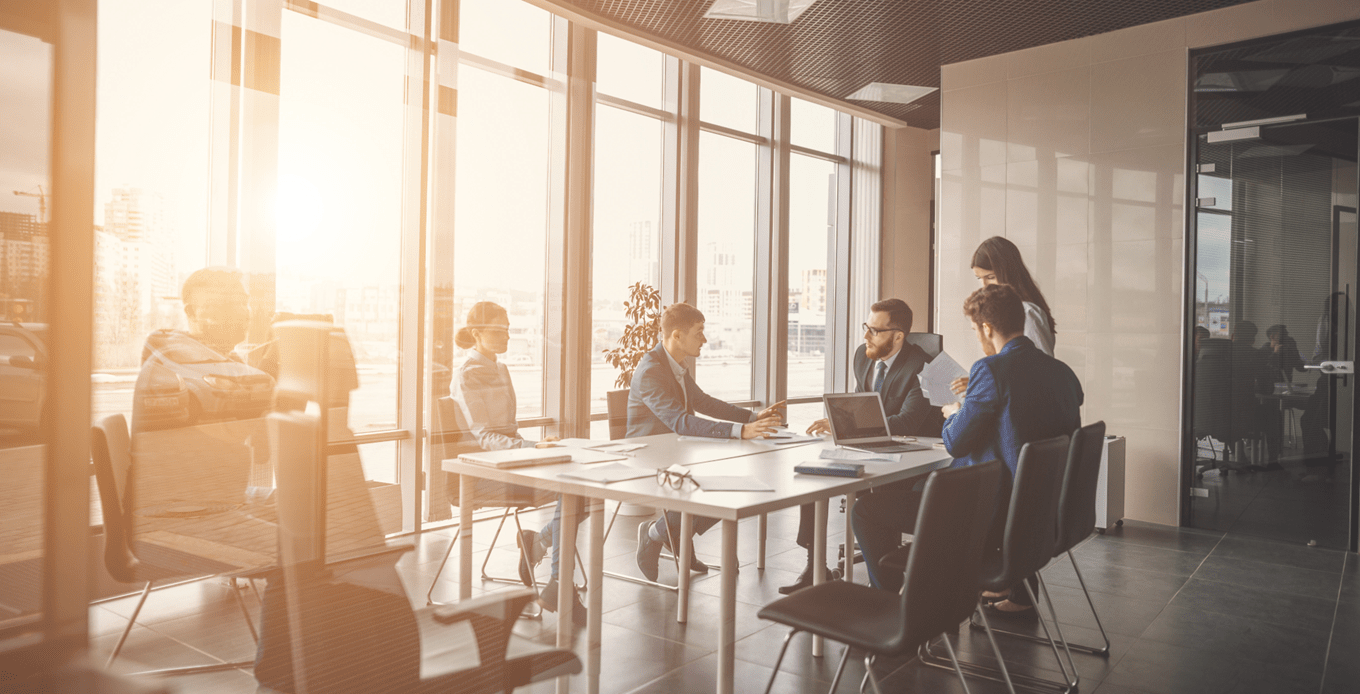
[(998, 261), (482, 390)]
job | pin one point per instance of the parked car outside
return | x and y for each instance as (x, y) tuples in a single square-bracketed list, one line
[(185, 382), (23, 358)]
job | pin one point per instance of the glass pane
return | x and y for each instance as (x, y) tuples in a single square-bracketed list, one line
[(812, 126), (812, 216), (151, 204), (390, 13), (1274, 301), (501, 220), (727, 101), (629, 71), (338, 238), (26, 91), (627, 242), (506, 31), (726, 264)]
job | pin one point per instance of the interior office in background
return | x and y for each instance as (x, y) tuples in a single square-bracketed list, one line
[(160, 138)]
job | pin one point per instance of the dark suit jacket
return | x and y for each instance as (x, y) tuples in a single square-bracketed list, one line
[(1015, 396), (656, 404), (909, 411)]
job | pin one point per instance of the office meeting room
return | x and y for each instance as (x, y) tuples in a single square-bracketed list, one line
[(642, 347)]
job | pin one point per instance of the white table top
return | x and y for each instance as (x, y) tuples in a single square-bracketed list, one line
[(772, 465)]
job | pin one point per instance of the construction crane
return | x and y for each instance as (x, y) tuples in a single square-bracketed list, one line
[(42, 202)]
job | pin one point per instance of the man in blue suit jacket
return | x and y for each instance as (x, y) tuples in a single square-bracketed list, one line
[(663, 398), (1016, 394)]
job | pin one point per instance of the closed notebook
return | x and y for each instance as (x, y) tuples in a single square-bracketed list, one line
[(830, 467), (517, 457)]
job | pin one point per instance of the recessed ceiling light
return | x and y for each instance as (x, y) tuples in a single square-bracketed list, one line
[(890, 93), (776, 11)]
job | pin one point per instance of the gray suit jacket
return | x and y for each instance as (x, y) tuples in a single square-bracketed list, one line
[(656, 404)]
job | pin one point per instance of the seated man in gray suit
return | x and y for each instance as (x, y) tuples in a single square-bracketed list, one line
[(663, 398)]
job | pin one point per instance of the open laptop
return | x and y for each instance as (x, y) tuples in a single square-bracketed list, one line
[(858, 422)]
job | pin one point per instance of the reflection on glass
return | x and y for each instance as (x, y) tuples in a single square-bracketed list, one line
[(501, 219), (812, 211), (628, 71), (26, 91), (727, 101), (508, 31), (726, 263), (338, 217), (627, 217), (812, 126), (389, 13)]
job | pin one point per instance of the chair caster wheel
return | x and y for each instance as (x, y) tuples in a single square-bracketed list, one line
[(1119, 523), (1100, 531)]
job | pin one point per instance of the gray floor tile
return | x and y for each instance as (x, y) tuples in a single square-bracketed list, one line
[(1275, 552), (1138, 556), (1168, 669), (1262, 604), (1279, 577), (1163, 537), (1241, 636)]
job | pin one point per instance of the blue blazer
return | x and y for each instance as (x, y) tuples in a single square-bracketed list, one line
[(656, 404), (1015, 396)]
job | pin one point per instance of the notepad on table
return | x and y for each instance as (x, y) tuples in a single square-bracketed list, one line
[(517, 457), (832, 468)]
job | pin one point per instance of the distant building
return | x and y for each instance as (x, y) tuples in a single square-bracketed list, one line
[(644, 258), (136, 218), (24, 264)]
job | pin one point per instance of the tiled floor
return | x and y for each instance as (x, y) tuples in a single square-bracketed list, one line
[(1186, 611)]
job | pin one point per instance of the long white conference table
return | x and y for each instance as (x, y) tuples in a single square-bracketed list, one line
[(768, 463)]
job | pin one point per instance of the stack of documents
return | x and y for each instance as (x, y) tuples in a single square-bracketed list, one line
[(936, 376)]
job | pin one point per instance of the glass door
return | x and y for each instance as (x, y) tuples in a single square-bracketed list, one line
[(1272, 387)]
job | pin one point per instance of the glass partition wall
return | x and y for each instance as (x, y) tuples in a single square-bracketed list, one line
[(387, 166), (1272, 333)]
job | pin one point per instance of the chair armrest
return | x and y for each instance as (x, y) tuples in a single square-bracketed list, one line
[(505, 605)]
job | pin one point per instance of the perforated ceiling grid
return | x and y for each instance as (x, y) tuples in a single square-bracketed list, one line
[(838, 46)]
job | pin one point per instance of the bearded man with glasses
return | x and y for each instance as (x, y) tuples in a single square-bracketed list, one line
[(887, 364)]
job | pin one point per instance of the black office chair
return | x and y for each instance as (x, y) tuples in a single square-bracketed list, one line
[(940, 587), (129, 562), (1212, 403), (348, 625), (1077, 517), (1027, 546), (931, 343)]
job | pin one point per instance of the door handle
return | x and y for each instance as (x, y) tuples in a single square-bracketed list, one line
[(1334, 367)]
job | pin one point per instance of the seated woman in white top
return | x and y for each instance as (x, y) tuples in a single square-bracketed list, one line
[(484, 394)]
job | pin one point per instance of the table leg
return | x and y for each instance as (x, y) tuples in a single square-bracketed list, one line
[(762, 530), (682, 577), (849, 573), (727, 629), (566, 583), (819, 559), (595, 596), (466, 501)]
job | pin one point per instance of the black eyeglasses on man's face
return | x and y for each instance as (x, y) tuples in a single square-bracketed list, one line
[(875, 332)]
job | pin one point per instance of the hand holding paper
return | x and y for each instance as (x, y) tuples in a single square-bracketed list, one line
[(937, 377)]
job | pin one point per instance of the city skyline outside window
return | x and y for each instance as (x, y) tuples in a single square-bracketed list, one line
[(726, 264)]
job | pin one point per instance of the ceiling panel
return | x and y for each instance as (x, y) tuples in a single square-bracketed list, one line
[(838, 46)]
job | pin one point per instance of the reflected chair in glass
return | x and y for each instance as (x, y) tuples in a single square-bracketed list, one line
[(451, 441), (346, 624), (940, 585), (144, 562), (1027, 545), (1077, 518)]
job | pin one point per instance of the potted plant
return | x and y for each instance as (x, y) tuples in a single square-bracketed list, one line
[(640, 334)]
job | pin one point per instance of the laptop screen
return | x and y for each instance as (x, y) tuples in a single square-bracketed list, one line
[(855, 416)]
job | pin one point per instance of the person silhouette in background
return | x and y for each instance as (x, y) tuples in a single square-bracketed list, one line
[(482, 390)]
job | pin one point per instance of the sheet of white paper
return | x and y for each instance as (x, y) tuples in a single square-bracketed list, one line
[(705, 439), (603, 446), (936, 376), (788, 439), (613, 472), (723, 483), (588, 456), (859, 456)]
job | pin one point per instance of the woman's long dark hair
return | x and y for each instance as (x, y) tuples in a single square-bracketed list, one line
[(1002, 258)]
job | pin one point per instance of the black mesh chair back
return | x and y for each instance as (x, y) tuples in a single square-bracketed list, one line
[(1077, 503), (1029, 538), (945, 564), (931, 343), (617, 403)]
